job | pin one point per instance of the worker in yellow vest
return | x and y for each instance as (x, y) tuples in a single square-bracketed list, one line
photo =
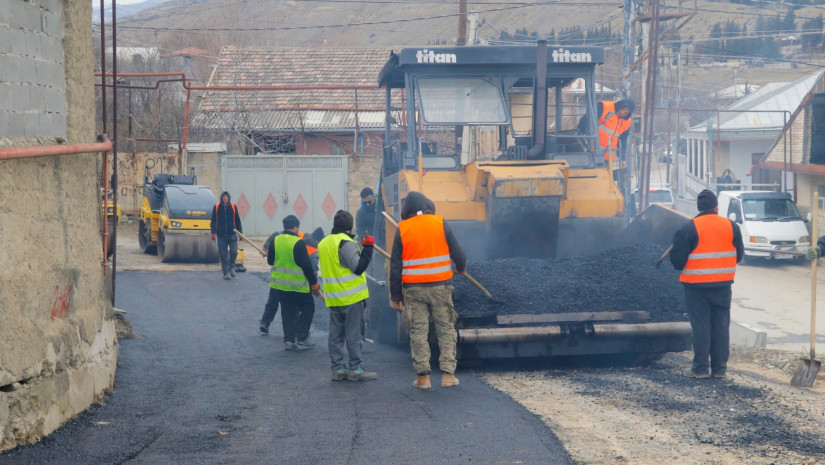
[(294, 278), (421, 285), (344, 285)]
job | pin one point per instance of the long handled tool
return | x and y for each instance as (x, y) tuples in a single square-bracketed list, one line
[(807, 371), (664, 255), (250, 243), (466, 275)]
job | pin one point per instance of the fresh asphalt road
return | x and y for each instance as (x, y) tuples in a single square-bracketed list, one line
[(200, 385)]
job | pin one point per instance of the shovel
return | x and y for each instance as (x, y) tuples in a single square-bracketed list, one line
[(664, 255), (807, 371), (466, 275)]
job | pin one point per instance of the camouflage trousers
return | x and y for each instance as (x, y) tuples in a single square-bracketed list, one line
[(422, 303)]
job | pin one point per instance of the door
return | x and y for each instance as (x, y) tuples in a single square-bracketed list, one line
[(266, 188)]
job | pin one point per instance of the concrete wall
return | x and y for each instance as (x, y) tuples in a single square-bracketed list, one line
[(58, 348)]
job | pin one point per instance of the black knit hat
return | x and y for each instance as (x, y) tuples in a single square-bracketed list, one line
[(706, 200), (626, 103), (291, 221), (342, 220)]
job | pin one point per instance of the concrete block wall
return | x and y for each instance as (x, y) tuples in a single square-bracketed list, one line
[(33, 84), (58, 348)]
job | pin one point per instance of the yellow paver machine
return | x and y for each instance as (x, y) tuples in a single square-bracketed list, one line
[(491, 135)]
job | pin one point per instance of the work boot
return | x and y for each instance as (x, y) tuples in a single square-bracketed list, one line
[(308, 343), (448, 380), (358, 374), (289, 345), (423, 382), (264, 328), (232, 272), (692, 374), (340, 373), (226, 276), (718, 375)]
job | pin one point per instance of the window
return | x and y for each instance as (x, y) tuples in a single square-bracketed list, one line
[(461, 100), (735, 210), (769, 209), (273, 143), (817, 154)]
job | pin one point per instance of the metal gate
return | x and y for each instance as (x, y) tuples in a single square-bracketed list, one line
[(266, 188)]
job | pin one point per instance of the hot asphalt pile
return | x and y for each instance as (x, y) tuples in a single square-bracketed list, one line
[(623, 279)]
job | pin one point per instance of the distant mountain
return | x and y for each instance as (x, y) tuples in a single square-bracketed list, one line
[(124, 9)]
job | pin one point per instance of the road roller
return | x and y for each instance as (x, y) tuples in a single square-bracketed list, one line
[(174, 219)]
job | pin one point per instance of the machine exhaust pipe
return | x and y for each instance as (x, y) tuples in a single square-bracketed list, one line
[(617, 330), (539, 103)]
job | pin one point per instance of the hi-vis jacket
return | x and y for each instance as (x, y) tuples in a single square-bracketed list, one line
[(422, 254), (707, 250), (341, 285), (611, 128), (291, 268)]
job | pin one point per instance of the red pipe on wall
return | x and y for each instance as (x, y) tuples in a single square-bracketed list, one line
[(52, 150)]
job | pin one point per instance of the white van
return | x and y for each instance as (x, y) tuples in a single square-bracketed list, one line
[(657, 193), (768, 220)]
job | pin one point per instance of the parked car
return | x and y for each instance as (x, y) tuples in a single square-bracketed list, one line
[(657, 193), (768, 220)]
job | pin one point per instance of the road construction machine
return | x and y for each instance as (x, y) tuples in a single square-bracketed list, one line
[(175, 220), (490, 135)]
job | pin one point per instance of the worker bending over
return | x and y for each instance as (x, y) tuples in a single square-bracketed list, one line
[(344, 286), (706, 250), (421, 285), (292, 275)]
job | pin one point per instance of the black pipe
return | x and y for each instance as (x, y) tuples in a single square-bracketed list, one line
[(114, 141), (539, 103)]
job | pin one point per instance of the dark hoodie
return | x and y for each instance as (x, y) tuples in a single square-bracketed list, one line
[(225, 218), (414, 203)]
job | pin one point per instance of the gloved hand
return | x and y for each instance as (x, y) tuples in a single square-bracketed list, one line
[(398, 305), (315, 289), (368, 241), (213, 237), (813, 253)]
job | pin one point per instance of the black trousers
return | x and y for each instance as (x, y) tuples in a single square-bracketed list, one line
[(709, 311), (271, 307), (227, 251), (297, 310)]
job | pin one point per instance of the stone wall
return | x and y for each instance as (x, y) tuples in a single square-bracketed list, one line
[(58, 348)]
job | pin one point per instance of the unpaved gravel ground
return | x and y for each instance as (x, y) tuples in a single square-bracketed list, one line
[(614, 412)]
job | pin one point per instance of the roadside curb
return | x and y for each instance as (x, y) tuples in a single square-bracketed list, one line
[(743, 335)]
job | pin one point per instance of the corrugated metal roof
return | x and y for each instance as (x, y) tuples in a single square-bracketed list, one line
[(776, 97), (267, 66), (291, 120)]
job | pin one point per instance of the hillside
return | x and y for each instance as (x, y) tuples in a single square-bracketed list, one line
[(212, 24)]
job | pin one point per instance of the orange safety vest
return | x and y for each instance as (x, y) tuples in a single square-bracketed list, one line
[(310, 249), (611, 127), (217, 218), (425, 254), (714, 258)]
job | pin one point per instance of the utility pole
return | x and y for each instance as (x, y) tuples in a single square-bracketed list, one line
[(467, 133), (627, 51), (462, 23)]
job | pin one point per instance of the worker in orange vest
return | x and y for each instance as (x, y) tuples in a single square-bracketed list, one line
[(614, 128), (421, 285), (706, 250), (225, 220)]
